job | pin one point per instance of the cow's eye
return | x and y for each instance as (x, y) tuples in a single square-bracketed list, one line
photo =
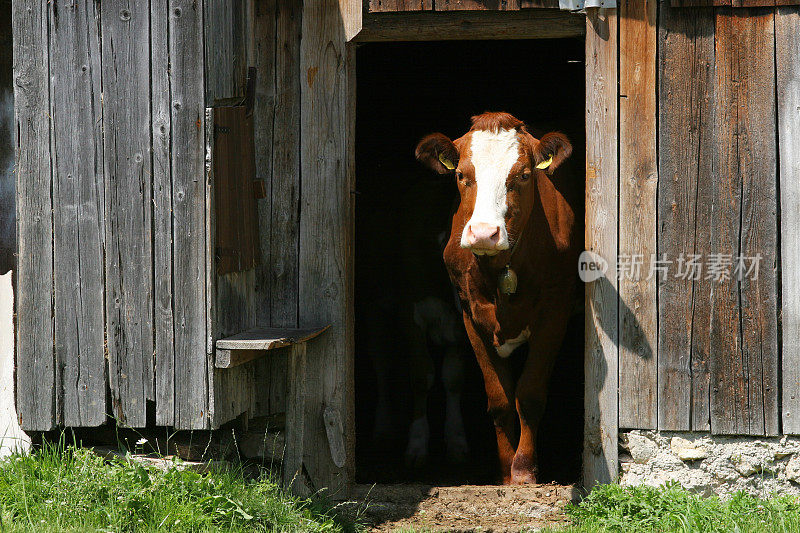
[(525, 176), (459, 176)]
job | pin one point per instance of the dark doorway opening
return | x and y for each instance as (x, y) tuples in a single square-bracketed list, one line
[(406, 90)]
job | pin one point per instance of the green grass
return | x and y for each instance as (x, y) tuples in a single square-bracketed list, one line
[(65, 488), (611, 508)]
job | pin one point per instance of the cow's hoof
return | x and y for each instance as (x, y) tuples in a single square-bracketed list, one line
[(417, 449), (457, 449), (523, 470), (523, 478), (416, 460)]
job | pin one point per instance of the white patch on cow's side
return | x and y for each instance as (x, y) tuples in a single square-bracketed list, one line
[(510, 345), (493, 156)]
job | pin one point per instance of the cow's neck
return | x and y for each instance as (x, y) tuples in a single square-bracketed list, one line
[(516, 260), (524, 259)]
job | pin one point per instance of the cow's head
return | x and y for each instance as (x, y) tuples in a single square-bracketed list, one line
[(496, 164)]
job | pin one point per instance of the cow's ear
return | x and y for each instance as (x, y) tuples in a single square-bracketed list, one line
[(551, 150), (437, 152)]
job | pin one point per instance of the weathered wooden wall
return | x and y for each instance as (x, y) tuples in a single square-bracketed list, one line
[(137, 299), (705, 354), (123, 283), (305, 231), (267, 295), (111, 202), (707, 164)]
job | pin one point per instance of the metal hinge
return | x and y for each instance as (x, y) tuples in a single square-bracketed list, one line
[(580, 5)]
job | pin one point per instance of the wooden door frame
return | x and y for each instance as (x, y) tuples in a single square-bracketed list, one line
[(469, 25), (601, 351), (600, 455)]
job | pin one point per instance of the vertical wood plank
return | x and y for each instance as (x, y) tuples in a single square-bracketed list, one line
[(638, 401), (600, 424), (285, 213), (293, 476), (189, 215), (128, 195), (163, 323), (744, 326), (264, 52), (8, 223), (233, 388), (234, 303), (78, 214), (34, 292), (285, 216), (787, 48), (685, 200), (225, 48), (264, 56), (218, 383), (352, 12), (326, 232)]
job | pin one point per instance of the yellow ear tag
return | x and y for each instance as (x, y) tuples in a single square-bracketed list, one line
[(544, 164), (446, 162)]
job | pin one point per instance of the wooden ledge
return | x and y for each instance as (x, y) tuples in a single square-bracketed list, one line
[(254, 343)]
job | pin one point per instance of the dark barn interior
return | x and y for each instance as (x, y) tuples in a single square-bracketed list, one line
[(406, 90)]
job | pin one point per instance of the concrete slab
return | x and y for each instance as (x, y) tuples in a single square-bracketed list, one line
[(12, 438)]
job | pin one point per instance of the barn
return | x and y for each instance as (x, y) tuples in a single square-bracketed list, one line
[(196, 183)]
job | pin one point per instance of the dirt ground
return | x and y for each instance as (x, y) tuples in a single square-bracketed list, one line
[(463, 508)]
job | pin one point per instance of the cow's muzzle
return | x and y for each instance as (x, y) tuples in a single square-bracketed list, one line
[(484, 239)]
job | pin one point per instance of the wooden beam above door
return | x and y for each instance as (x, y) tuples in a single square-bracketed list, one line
[(449, 26)]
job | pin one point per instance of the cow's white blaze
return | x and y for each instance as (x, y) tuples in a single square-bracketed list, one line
[(493, 156)]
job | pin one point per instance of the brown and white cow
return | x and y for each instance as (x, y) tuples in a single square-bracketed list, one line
[(512, 256)]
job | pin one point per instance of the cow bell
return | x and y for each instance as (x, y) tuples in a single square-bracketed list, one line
[(507, 281)]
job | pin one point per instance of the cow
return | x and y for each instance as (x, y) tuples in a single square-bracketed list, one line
[(412, 324), (511, 256)]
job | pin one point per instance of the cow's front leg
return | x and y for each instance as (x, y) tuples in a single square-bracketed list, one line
[(422, 375), (453, 379), (531, 391), (376, 326), (497, 379)]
